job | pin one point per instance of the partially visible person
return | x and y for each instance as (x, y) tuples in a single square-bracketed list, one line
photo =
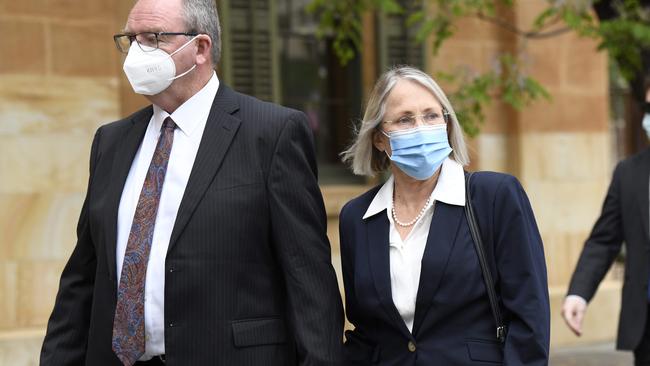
[(202, 238), (624, 219), (414, 289)]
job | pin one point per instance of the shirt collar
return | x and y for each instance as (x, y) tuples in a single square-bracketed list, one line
[(449, 189), (451, 184), (185, 116), (382, 199)]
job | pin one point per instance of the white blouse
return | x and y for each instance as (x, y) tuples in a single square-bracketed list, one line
[(406, 255)]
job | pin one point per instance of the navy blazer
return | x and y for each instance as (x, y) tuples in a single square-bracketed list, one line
[(453, 321)]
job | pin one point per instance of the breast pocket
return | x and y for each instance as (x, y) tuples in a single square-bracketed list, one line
[(485, 351), (233, 175), (258, 332)]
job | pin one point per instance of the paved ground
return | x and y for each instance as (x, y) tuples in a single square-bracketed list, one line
[(603, 354)]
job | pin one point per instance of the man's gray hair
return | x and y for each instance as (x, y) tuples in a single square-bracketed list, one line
[(201, 17), (362, 155)]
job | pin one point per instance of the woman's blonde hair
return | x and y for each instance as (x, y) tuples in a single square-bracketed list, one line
[(362, 155)]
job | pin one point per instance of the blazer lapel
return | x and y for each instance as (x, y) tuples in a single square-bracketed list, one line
[(440, 242), (124, 155), (220, 129), (378, 235)]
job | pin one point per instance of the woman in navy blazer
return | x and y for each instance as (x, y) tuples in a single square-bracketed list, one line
[(413, 284)]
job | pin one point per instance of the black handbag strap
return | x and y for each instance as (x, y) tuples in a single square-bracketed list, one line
[(480, 251)]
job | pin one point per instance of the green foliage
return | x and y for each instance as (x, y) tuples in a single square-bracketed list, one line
[(624, 41), (341, 19), (622, 38), (472, 93), (469, 98)]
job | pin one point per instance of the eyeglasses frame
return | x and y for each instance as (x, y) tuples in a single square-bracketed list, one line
[(133, 37), (445, 116)]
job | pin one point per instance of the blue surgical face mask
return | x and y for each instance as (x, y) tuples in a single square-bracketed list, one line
[(646, 124), (419, 151), (646, 118)]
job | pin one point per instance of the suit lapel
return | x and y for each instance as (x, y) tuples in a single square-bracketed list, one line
[(378, 235), (440, 242), (220, 129), (124, 155)]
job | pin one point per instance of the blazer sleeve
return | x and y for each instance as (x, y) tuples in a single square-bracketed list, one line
[(299, 233), (522, 276), (602, 246), (66, 337), (358, 350)]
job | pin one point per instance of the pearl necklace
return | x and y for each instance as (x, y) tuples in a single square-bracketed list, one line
[(410, 223)]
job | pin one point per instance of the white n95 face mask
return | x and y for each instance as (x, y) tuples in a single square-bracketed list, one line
[(151, 72)]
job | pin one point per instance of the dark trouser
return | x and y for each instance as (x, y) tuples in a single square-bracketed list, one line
[(642, 351)]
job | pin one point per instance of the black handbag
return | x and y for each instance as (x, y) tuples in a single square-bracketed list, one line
[(487, 276)]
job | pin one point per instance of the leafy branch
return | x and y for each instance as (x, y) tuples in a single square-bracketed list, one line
[(342, 20), (623, 38), (506, 81)]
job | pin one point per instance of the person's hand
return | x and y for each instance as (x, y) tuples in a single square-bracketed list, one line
[(573, 311)]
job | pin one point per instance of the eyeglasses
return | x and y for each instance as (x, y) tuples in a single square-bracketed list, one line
[(430, 118), (148, 41)]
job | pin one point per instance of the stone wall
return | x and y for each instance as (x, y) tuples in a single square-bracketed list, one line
[(58, 83)]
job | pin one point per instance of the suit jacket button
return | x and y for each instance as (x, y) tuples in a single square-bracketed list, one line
[(411, 346)]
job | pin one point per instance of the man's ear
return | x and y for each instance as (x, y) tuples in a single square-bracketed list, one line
[(203, 52)]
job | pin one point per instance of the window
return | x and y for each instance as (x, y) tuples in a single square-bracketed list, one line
[(397, 43), (270, 50)]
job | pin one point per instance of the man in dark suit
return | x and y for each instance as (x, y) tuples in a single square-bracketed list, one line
[(624, 218), (202, 238)]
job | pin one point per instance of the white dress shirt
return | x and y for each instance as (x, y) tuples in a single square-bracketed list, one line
[(190, 118), (406, 255)]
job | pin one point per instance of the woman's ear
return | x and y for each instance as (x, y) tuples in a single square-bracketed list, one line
[(380, 141)]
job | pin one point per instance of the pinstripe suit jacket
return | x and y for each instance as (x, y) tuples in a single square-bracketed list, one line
[(248, 274)]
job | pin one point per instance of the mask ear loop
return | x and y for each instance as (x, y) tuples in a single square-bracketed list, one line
[(183, 74), (183, 46), (388, 137), (180, 48)]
